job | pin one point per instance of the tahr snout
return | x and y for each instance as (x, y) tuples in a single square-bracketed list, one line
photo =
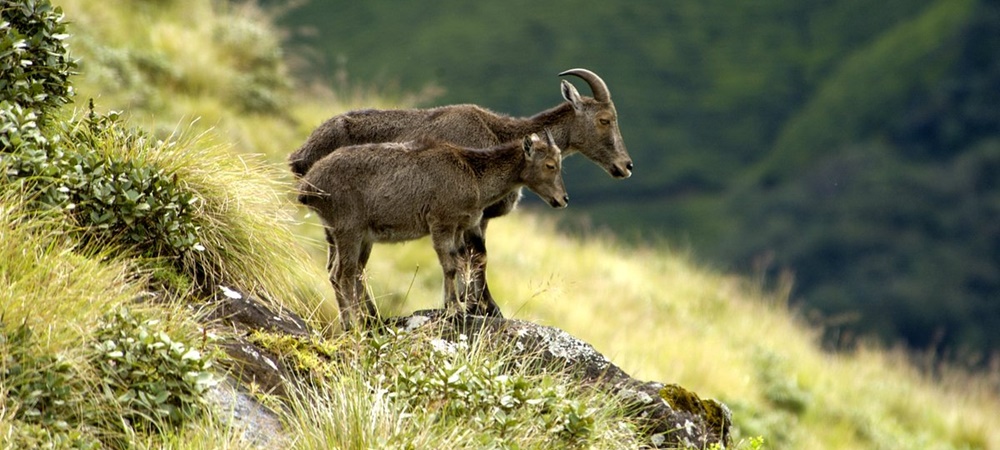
[(557, 202)]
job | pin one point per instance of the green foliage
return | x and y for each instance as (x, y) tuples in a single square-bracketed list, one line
[(52, 373), (702, 88), (483, 394), (775, 425), (196, 207), (261, 84), (779, 387), (26, 435), (218, 61), (114, 200), (42, 390), (19, 130), (754, 443), (855, 401), (35, 65), (870, 88), (872, 204), (455, 385), (157, 379), (860, 218)]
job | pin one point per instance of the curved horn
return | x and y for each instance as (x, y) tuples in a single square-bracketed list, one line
[(597, 85), (549, 138)]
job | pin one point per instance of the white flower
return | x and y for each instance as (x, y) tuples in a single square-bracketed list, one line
[(230, 293), (443, 346)]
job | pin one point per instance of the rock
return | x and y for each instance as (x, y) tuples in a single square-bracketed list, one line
[(669, 415), (247, 314), (251, 365), (259, 426)]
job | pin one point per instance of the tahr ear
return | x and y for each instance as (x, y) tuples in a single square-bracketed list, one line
[(571, 95), (529, 143)]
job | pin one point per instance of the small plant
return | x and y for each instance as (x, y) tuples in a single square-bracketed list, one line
[(402, 389), (780, 388), (754, 443), (454, 382), (42, 391), (35, 65), (157, 379), (29, 435), (260, 83)]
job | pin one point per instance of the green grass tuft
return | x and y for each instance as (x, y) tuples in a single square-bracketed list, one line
[(244, 226), (49, 285), (63, 358), (414, 390)]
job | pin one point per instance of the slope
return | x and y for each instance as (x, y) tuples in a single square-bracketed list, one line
[(657, 314)]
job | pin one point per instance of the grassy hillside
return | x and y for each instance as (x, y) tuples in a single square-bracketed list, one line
[(650, 309), (840, 140), (662, 318)]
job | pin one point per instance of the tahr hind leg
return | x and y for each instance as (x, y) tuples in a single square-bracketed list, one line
[(368, 304), (345, 275)]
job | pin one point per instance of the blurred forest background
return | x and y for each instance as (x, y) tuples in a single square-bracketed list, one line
[(852, 146)]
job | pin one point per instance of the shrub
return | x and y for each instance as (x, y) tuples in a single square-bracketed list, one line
[(487, 394), (111, 198), (35, 65), (201, 209), (451, 394), (260, 83), (37, 386), (157, 379)]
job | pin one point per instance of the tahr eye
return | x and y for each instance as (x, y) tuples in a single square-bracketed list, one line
[(550, 166), (605, 122)]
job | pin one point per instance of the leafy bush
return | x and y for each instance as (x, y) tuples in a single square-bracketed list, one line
[(444, 385), (38, 384), (25, 435), (261, 84), (780, 387), (483, 393), (112, 198), (35, 65), (157, 379)]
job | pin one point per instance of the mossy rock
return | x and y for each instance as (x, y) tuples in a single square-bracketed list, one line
[(306, 355), (715, 414)]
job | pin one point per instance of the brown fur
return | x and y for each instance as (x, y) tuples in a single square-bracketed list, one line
[(393, 192), (580, 124)]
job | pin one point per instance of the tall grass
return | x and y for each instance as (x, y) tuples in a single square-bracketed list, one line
[(169, 62), (415, 390), (47, 284), (244, 224), (661, 317), (55, 298)]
